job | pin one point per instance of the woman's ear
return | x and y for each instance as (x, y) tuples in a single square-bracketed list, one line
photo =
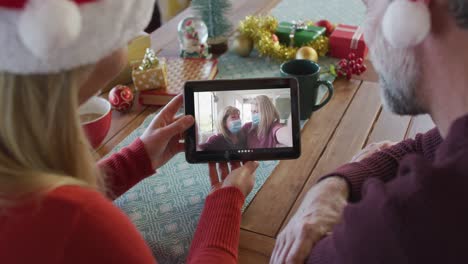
[(104, 72)]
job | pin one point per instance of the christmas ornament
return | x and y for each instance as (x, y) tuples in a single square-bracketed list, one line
[(348, 67), (193, 35), (275, 38), (307, 53), (406, 23), (149, 61), (151, 74), (242, 45), (121, 98), (260, 30), (326, 24)]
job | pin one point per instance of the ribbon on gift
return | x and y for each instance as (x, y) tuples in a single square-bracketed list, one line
[(356, 37), (149, 61), (295, 26)]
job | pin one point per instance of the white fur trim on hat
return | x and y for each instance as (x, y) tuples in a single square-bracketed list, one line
[(406, 23), (46, 26), (106, 25)]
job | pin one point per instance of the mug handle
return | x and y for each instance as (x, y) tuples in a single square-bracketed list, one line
[(330, 94)]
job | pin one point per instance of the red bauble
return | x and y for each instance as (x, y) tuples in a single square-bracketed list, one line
[(274, 38), (327, 25), (121, 98)]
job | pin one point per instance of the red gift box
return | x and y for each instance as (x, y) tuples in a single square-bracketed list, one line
[(347, 39)]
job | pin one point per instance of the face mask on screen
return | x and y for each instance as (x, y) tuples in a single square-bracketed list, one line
[(235, 126), (255, 119)]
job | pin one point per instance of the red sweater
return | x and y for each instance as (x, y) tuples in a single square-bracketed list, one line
[(72, 224), (413, 205)]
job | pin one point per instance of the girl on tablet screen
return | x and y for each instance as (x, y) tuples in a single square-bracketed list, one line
[(265, 130)]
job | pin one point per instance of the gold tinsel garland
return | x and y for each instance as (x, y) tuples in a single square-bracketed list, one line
[(261, 29)]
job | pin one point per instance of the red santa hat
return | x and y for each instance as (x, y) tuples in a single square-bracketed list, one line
[(407, 23), (46, 36)]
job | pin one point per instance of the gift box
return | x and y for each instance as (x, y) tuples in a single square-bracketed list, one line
[(347, 39), (136, 52), (303, 34), (151, 74), (154, 78)]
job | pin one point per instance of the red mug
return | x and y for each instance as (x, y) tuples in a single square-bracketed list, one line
[(96, 116)]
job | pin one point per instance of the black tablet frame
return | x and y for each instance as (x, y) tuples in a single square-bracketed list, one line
[(194, 156)]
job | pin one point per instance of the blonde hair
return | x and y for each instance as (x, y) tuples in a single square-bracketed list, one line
[(268, 115), (42, 144), (222, 128)]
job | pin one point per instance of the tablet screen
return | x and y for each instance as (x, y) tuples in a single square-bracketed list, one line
[(241, 120)]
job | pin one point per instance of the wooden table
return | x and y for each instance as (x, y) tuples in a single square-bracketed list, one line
[(352, 119)]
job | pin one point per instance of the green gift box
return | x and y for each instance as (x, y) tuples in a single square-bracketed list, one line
[(303, 34)]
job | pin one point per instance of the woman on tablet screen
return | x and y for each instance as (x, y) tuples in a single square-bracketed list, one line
[(265, 130), (230, 132)]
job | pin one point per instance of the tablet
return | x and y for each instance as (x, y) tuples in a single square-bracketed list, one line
[(242, 120)]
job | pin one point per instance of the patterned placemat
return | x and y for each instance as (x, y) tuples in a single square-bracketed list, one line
[(166, 207), (231, 66), (180, 70)]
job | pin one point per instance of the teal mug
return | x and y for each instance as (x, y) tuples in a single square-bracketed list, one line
[(307, 74)]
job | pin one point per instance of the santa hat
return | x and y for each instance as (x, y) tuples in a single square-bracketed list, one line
[(47, 36), (407, 23)]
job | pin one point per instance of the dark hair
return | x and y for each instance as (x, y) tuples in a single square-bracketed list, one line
[(459, 9)]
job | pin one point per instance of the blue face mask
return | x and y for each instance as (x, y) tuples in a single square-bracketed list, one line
[(255, 119), (235, 126)]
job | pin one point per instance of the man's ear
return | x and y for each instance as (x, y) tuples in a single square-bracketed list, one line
[(447, 15), (439, 16), (459, 11)]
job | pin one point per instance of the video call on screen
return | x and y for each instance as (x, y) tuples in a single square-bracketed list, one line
[(242, 120)]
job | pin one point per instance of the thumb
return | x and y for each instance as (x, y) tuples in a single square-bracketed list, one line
[(177, 127), (249, 167)]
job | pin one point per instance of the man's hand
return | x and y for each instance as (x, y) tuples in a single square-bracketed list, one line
[(161, 138), (372, 149), (320, 210)]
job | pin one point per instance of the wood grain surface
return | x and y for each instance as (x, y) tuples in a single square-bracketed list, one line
[(352, 119), (349, 137), (272, 204)]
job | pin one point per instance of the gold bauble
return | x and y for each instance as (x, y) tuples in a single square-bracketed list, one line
[(307, 53), (242, 45)]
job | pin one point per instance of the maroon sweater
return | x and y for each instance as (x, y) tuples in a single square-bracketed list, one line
[(413, 207)]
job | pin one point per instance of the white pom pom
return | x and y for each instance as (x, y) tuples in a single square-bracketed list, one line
[(406, 23), (49, 25)]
